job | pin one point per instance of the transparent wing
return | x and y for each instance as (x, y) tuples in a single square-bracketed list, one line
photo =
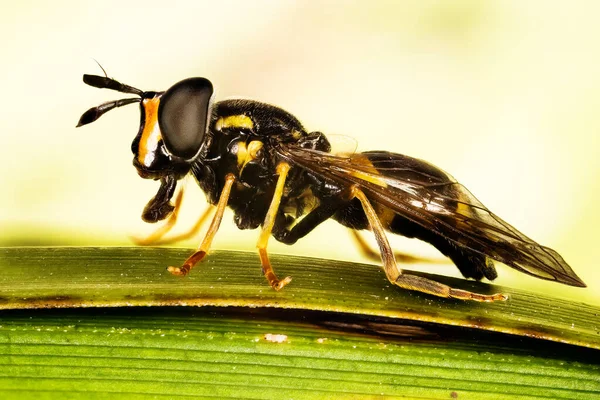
[(433, 199), (342, 145)]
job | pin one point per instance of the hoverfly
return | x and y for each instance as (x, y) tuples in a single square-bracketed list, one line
[(261, 162)]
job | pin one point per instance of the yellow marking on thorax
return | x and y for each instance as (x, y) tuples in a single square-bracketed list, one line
[(245, 154), (370, 174), (253, 149), (234, 121), (242, 154), (150, 134)]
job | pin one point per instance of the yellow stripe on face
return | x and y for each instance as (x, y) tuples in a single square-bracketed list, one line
[(151, 133), (234, 121)]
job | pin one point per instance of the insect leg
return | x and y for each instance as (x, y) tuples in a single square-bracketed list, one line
[(407, 281), (306, 225), (267, 227), (159, 207), (192, 231), (212, 230), (155, 236), (404, 258)]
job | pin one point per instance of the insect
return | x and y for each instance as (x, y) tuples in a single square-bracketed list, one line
[(261, 162)]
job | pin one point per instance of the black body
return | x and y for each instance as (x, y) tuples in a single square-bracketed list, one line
[(249, 139)]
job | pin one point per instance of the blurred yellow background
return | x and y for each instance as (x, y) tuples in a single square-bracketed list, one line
[(503, 95)]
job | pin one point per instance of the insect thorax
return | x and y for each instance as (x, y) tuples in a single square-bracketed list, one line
[(243, 136)]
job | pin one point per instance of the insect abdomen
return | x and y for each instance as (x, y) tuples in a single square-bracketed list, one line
[(470, 263)]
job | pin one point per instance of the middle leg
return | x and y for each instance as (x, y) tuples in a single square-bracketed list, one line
[(267, 226)]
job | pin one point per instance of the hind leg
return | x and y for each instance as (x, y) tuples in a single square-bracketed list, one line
[(403, 258), (408, 281)]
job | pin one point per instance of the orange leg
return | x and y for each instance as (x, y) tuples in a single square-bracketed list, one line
[(193, 230), (210, 234), (155, 236), (408, 281), (368, 252), (267, 226)]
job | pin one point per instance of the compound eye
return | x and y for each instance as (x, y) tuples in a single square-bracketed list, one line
[(183, 116)]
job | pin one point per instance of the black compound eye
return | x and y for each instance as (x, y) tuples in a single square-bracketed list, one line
[(183, 116)]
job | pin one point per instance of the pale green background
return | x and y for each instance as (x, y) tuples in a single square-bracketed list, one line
[(504, 95)]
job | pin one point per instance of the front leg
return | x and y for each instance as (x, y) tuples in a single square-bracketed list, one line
[(212, 231), (159, 207)]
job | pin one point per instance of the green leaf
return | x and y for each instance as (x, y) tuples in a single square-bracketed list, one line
[(224, 353), (339, 330), (136, 276)]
